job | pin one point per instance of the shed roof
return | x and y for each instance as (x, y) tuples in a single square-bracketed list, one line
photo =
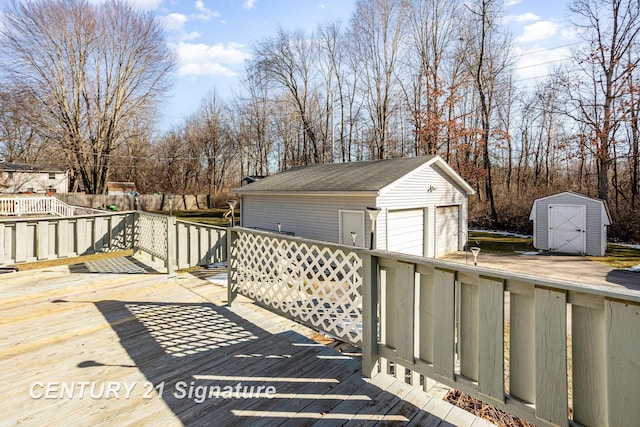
[(365, 176), (605, 209)]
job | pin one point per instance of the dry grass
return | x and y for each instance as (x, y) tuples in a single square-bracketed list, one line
[(483, 410)]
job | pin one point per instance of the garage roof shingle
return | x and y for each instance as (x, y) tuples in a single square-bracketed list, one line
[(337, 177)]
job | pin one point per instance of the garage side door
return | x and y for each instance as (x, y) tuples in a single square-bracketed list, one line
[(405, 231), (446, 230), (567, 229)]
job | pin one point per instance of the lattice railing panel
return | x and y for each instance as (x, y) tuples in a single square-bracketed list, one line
[(319, 285), (151, 235)]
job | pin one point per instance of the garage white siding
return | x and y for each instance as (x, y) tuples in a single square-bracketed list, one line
[(405, 230), (312, 217), (424, 188), (447, 231), (307, 201)]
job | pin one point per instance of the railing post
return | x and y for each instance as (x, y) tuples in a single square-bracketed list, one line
[(171, 245), (369, 315), (134, 231), (232, 266)]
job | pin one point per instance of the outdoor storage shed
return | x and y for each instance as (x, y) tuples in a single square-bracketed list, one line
[(570, 223), (422, 202)]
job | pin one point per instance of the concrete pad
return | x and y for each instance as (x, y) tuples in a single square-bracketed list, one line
[(564, 267)]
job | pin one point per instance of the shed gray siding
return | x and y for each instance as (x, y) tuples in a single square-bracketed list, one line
[(313, 217), (412, 192), (595, 234)]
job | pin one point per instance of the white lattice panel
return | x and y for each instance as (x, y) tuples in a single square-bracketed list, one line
[(320, 286), (151, 235)]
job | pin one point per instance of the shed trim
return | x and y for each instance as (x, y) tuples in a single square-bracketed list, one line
[(605, 209)]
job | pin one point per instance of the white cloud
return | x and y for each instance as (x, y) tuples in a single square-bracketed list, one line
[(541, 30), (146, 4), (138, 4), (249, 4), (523, 17), (196, 59), (510, 3), (174, 21), (205, 14), (323, 5), (537, 63)]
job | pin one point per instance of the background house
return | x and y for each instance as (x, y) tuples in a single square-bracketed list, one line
[(29, 178), (570, 223), (119, 188), (422, 201)]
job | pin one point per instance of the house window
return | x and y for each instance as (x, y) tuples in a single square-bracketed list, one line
[(52, 175), (10, 174)]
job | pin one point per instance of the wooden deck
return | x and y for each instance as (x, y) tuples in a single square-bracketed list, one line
[(94, 344)]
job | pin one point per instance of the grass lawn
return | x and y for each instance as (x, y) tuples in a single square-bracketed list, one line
[(205, 216), (618, 256), (500, 243)]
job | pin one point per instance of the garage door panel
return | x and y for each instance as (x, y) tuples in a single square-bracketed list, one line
[(405, 231), (447, 220)]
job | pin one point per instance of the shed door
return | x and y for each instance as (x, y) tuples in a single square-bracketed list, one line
[(352, 222), (567, 228), (447, 224), (405, 231)]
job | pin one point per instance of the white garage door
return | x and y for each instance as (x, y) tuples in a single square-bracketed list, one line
[(446, 230), (567, 228), (405, 231)]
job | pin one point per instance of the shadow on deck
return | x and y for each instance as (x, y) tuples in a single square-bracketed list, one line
[(213, 367), (98, 324)]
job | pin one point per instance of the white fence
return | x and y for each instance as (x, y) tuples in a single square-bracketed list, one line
[(18, 206), (317, 284), (550, 352), (32, 239)]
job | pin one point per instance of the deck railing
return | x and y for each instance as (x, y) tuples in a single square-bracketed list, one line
[(18, 206), (32, 239), (547, 351), (179, 244)]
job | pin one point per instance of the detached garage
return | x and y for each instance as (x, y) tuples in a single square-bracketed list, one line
[(422, 202), (570, 223)]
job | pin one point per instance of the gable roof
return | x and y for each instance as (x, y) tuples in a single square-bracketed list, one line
[(605, 209), (26, 167), (367, 176)]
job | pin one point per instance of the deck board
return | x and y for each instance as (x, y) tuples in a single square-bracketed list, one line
[(122, 323)]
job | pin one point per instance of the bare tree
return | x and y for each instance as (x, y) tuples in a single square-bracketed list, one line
[(286, 61), (20, 140), (96, 69), (376, 31), (610, 28), (486, 58)]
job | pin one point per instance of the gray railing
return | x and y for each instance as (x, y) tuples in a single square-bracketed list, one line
[(179, 244), (32, 239), (547, 351), (199, 244)]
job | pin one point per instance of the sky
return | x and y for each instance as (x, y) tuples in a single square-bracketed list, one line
[(212, 39)]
